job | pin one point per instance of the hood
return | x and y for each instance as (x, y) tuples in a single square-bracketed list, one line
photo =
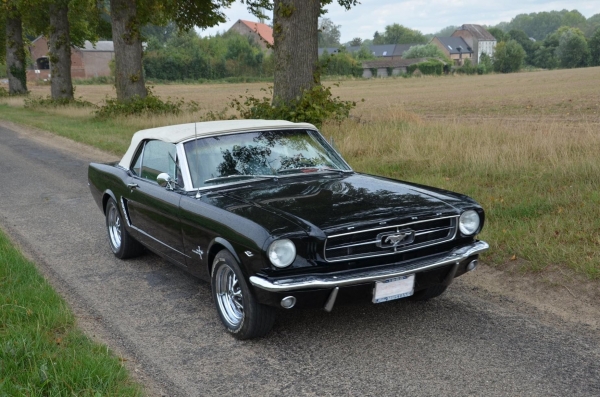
[(330, 201)]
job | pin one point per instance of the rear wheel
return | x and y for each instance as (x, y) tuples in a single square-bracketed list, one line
[(429, 292), (238, 310), (121, 242)]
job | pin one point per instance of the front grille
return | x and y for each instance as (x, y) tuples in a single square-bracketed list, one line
[(390, 240)]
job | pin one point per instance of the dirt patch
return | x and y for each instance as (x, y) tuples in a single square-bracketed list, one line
[(569, 297)]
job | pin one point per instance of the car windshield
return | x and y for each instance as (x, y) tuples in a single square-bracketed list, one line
[(262, 154)]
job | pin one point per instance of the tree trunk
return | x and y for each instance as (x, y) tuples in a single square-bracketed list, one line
[(129, 78), (15, 54), (295, 34), (61, 86)]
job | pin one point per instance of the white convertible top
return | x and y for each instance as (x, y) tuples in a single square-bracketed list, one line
[(181, 132)]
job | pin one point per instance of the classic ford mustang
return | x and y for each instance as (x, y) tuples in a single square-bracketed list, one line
[(272, 215)]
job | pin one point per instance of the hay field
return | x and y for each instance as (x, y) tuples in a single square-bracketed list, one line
[(526, 146)]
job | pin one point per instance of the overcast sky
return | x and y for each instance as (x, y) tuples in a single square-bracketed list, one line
[(428, 16)]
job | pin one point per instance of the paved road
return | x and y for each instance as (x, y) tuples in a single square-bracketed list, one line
[(463, 344)]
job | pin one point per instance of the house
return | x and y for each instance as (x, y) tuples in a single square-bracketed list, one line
[(87, 61), (455, 48), (260, 32), (387, 67), (478, 38)]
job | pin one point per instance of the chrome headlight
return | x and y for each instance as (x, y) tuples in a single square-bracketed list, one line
[(281, 252), (469, 222)]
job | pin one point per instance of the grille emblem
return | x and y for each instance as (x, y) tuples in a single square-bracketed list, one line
[(395, 239)]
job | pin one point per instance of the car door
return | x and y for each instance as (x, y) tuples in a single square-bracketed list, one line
[(154, 210)]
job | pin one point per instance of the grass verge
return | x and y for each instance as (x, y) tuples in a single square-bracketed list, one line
[(42, 353)]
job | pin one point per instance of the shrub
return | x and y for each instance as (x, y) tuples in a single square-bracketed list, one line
[(49, 102), (314, 106), (431, 67), (3, 92), (151, 105)]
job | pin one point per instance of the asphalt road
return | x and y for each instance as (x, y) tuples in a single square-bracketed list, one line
[(465, 343)]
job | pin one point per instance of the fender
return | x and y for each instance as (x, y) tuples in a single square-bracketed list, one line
[(227, 245)]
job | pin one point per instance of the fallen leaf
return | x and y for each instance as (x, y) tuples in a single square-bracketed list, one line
[(513, 258)]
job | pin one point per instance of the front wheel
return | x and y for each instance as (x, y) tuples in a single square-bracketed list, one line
[(121, 242), (238, 310)]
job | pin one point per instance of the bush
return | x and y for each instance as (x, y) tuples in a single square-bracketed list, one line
[(3, 92), (314, 106), (151, 105), (48, 102), (431, 67)]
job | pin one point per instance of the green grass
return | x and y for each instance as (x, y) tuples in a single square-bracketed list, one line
[(42, 353)]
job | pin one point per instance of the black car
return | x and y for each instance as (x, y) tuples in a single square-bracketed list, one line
[(273, 217)]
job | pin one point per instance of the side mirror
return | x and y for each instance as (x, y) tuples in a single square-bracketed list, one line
[(165, 180)]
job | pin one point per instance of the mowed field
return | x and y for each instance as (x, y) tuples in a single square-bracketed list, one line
[(526, 146)]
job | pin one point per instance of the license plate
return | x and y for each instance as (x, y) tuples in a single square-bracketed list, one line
[(394, 288)]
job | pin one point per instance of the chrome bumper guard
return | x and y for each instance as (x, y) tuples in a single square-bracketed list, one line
[(369, 275)]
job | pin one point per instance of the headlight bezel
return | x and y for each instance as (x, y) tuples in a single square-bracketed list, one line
[(281, 260), (472, 218)]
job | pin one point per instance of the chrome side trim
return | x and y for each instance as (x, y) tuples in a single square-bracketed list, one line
[(369, 275)]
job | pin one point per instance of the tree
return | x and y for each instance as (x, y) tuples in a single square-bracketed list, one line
[(446, 32), (508, 57), (15, 49), (355, 42), (498, 34), (128, 17), (425, 51), (521, 37), (398, 34), (329, 33), (572, 50), (295, 53), (594, 45)]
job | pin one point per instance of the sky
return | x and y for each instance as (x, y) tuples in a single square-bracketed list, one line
[(428, 16)]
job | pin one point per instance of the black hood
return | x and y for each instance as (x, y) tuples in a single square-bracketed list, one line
[(330, 201)]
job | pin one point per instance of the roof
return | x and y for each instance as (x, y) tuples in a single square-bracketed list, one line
[(181, 132), (384, 50), (478, 32), (263, 30), (401, 48), (453, 43), (391, 63), (100, 46)]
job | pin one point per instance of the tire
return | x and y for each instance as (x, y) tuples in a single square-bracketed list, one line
[(121, 243), (237, 307), (429, 293)]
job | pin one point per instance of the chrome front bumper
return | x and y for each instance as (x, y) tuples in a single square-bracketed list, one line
[(369, 275)]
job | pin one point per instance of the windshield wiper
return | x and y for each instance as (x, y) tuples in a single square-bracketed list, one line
[(306, 170), (236, 177)]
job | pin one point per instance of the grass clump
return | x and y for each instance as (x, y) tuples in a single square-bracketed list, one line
[(42, 353)]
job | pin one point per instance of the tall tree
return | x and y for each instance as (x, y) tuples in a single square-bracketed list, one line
[(329, 33), (572, 50), (15, 50), (295, 35), (128, 17), (508, 57), (61, 84), (594, 44), (398, 34)]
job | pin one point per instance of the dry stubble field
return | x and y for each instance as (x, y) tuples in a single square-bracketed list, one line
[(526, 146)]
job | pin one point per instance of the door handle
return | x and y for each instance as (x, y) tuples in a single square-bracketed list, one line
[(133, 185)]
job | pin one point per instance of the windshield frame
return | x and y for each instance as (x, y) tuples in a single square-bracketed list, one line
[(185, 165)]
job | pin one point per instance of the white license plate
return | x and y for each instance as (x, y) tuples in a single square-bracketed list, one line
[(394, 288)]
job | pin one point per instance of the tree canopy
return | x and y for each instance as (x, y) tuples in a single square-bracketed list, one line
[(508, 57), (398, 34), (329, 33)]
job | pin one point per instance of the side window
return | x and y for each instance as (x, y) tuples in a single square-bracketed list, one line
[(137, 165), (157, 157)]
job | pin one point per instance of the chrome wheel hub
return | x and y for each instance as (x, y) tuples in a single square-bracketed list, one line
[(114, 228), (229, 296)]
